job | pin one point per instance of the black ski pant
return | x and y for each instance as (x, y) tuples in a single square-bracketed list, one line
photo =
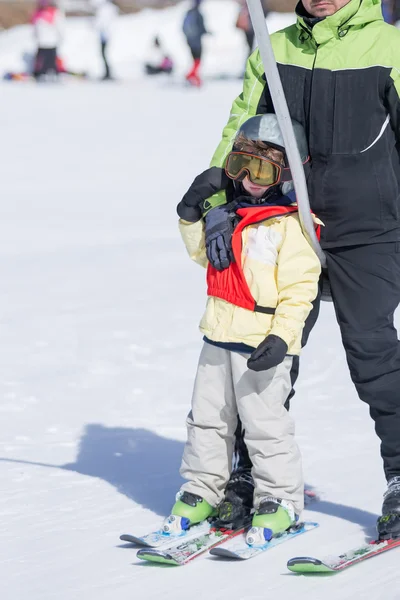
[(107, 72), (365, 287), (196, 49), (45, 62)]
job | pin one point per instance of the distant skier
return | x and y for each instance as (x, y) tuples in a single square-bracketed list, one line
[(106, 13), (48, 23), (193, 28), (387, 11), (244, 23), (262, 277), (158, 62), (396, 13)]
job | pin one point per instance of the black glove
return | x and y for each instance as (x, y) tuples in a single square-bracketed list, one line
[(193, 204), (270, 353), (220, 224)]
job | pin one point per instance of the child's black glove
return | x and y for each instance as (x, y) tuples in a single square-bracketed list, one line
[(270, 353), (194, 203), (220, 223)]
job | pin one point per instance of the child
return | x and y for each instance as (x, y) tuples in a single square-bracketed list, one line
[(262, 277)]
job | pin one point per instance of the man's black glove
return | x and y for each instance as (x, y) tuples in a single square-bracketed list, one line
[(270, 353), (191, 207), (220, 224)]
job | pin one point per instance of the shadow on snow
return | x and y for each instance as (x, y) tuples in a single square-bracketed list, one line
[(144, 466)]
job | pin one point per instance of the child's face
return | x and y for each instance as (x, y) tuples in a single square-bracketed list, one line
[(257, 191)]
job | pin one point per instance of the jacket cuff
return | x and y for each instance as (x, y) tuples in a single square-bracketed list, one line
[(285, 334), (188, 213)]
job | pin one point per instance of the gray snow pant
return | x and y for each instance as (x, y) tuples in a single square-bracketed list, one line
[(225, 388)]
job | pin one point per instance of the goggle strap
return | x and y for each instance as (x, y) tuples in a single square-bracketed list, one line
[(286, 174)]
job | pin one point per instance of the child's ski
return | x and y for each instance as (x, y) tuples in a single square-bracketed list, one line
[(333, 564), (157, 539), (189, 549), (239, 550)]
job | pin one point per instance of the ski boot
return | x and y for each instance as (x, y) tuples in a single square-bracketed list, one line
[(234, 511), (388, 524), (188, 510), (272, 517)]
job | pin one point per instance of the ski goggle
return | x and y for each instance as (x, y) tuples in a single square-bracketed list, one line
[(261, 171)]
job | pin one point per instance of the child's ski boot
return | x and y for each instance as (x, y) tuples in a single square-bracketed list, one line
[(272, 517), (188, 510)]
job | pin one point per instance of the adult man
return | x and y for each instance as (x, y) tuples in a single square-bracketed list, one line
[(340, 70)]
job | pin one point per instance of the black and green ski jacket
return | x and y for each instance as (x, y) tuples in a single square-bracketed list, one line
[(342, 82)]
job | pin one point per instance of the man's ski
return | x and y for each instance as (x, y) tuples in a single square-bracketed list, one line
[(239, 550), (189, 549), (157, 539), (333, 564)]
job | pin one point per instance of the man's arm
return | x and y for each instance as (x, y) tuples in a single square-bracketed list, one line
[(244, 107), (393, 101)]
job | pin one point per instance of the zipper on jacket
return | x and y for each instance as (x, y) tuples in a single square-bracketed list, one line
[(311, 93)]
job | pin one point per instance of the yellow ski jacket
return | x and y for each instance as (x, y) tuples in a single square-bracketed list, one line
[(281, 270)]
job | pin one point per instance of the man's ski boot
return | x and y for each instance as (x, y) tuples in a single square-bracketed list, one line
[(272, 517), (188, 510), (388, 524), (234, 511)]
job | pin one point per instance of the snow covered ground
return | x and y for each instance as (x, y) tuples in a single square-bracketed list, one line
[(99, 307)]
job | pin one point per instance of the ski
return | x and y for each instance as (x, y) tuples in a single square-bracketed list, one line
[(160, 539), (240, 550), (333, 564), (157, 539), (189, 549)]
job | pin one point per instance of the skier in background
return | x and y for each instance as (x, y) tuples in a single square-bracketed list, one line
[(387, 11), (158, 62), (244, 23), (48, 24), (252, 326), (354, 140), (193, 28), (396, 13), (105, 14)]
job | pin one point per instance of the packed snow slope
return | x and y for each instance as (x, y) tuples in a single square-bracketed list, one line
[(99, 345)]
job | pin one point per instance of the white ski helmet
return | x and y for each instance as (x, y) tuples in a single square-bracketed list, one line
[(265, 128)]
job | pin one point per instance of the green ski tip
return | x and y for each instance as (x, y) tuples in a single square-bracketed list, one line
[(307, 566), (157, 557)]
